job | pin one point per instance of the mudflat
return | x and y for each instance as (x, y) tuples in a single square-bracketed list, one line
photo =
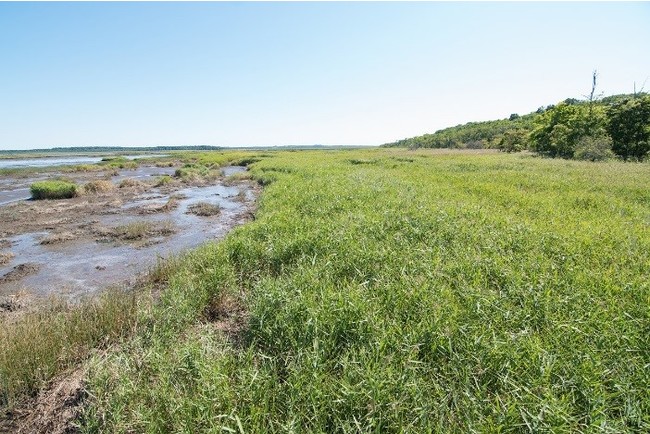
[(118, 226)]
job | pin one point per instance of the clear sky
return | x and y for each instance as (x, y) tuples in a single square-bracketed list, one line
[(229, 74)]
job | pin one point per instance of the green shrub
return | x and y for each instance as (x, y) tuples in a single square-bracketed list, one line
[(53, 190), (119, 163), (594, 148), (163, 180)]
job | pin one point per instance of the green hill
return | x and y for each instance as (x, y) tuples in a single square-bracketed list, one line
[(506, 134)]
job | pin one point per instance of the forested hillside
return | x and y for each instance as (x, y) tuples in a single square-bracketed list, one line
[(591, 129)]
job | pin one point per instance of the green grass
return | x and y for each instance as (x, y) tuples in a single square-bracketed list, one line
[(119, 163), (53, 190), (39, 345), (396, 291)]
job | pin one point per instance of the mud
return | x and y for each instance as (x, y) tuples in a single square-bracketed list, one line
[(53, 411), (76, 247), (18, 272)]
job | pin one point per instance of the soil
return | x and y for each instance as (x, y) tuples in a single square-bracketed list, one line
[(18, 272), (53, 411)]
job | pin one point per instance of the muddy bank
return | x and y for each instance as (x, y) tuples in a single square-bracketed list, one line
[(114, 231)]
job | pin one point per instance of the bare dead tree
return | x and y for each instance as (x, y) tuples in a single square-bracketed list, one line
[(642, 87), (593, 97)]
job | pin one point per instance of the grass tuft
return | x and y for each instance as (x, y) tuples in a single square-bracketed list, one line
[(143, 229), (53, 190), (99, 186), (5, 257), (132, 183), (204, 209)]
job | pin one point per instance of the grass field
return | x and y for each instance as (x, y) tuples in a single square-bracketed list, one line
[(379, 291), (395, 291)]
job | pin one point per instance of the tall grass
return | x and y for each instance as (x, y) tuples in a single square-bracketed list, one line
[(412, 292), (39, 345)]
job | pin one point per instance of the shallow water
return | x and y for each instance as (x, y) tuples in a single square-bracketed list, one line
[(143, 172), (84, 266), (14, 190), (16, 163)]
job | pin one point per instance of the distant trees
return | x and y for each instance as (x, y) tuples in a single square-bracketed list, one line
[(488, 134), (559, 129), (589, 129), (513, 141), (628, 124), (595, 131)]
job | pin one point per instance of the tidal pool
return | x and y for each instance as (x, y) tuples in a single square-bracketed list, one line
[(63, 248)]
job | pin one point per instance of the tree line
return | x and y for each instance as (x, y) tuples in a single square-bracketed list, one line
[(617, 126)]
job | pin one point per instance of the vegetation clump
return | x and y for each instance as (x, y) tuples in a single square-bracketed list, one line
[(142, 229), (204, 209), (164, 180), (131, 183), (53, 189), (5, 257), (99, 186), (119, 163), (196, 172)]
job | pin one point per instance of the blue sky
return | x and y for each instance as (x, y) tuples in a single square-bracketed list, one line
[(231, 74)]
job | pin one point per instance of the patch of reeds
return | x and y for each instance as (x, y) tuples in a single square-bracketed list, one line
[(39, 345), (204, 209), (53, 189), (161, 181), (5, 257), (143, 229), (99, 186), (132, 183)]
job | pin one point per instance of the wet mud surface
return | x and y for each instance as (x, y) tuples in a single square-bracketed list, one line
[(76, 247)]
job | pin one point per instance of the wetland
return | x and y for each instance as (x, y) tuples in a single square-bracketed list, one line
[(122, 223)]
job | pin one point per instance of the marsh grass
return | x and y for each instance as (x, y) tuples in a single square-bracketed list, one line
[(204, 209), (422, 292), (6, 257), (162, 181), (132, 183), (142, 229), (99, 186), (39, 345), (425, 292), (53, 189), (197, 172), (118, 163)]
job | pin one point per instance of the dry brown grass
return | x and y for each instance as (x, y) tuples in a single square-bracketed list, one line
[(132, 183), (142, 229), (57, 238), (153, 208), (99, 186), (19, 271), (5, 257), (40, 344), (204, 209)]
